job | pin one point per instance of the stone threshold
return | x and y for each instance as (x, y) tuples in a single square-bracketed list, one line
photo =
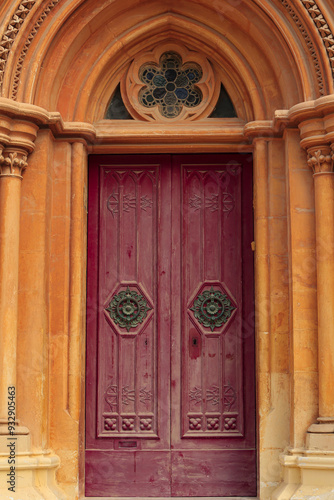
[(171, 498)]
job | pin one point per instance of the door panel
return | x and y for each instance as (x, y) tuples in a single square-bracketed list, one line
[(213, 355), (169, 294), (128, 349)]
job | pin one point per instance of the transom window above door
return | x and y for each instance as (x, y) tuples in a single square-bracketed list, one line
[(170, 83)]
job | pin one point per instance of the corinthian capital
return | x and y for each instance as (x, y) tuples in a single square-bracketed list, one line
[(12, 162), (321, 159)]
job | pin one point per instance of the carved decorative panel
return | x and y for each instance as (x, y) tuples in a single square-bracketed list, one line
[(128, 328), (212, 277)]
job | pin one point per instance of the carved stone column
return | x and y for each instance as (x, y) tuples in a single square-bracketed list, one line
[(12, 163), (321, 159), (24, 473)]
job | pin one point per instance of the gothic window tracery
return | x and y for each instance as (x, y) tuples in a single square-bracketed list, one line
[(170, 83)]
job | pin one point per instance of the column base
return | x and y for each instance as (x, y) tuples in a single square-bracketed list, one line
[(32, 475), (306, 474), (320, 436)]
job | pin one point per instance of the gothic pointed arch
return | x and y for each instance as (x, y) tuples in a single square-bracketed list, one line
[(69, 55)]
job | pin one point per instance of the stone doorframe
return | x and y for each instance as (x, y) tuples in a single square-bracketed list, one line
[(42, 275), (69, 56)]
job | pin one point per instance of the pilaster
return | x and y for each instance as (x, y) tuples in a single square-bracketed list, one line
[(321, 159), (13, 160), (24, 473), (308, 467)]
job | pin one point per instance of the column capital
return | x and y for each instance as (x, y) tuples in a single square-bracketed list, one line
[(321, 159), (13, 160)]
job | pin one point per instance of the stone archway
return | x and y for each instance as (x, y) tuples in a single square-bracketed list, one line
[(60, 63)]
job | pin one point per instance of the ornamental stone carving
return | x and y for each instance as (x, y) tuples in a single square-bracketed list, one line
[(320, 159), (309, 43), (11, 32), (12, 162), (323, 28), (170, 83), (27, 44)]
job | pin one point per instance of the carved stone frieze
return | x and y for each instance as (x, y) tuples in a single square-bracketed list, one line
[(12, 162), (308, 42), (322, 26), (11, 32), (320, 159), (27, 44)]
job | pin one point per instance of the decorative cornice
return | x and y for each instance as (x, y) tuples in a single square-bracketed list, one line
[(27, 44), (322, 26), (32, 117), (12, 162), (19, 123), (11, 32), (309, 44), (321, 160)]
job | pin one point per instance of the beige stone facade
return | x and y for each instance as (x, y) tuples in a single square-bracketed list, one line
[(60, 62)]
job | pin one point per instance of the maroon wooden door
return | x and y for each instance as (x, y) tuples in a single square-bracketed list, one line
[(170, 337)]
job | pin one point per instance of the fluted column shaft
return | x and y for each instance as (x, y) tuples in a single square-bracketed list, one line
[(12, 162)]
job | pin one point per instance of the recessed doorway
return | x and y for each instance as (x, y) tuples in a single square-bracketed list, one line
[(170, 387)]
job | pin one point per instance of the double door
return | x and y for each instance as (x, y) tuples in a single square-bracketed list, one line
[(170, 335)]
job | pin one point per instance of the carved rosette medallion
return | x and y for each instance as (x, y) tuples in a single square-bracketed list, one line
[(128, 309), (212, 308)]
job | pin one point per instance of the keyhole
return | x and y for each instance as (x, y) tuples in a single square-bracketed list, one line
[(194, 341), (146, 342)]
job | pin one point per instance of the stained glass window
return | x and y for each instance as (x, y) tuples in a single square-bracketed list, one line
[(171, 85), (224, 107), (116, 109)]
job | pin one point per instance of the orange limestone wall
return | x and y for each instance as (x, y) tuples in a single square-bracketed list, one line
[(60, 63)]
